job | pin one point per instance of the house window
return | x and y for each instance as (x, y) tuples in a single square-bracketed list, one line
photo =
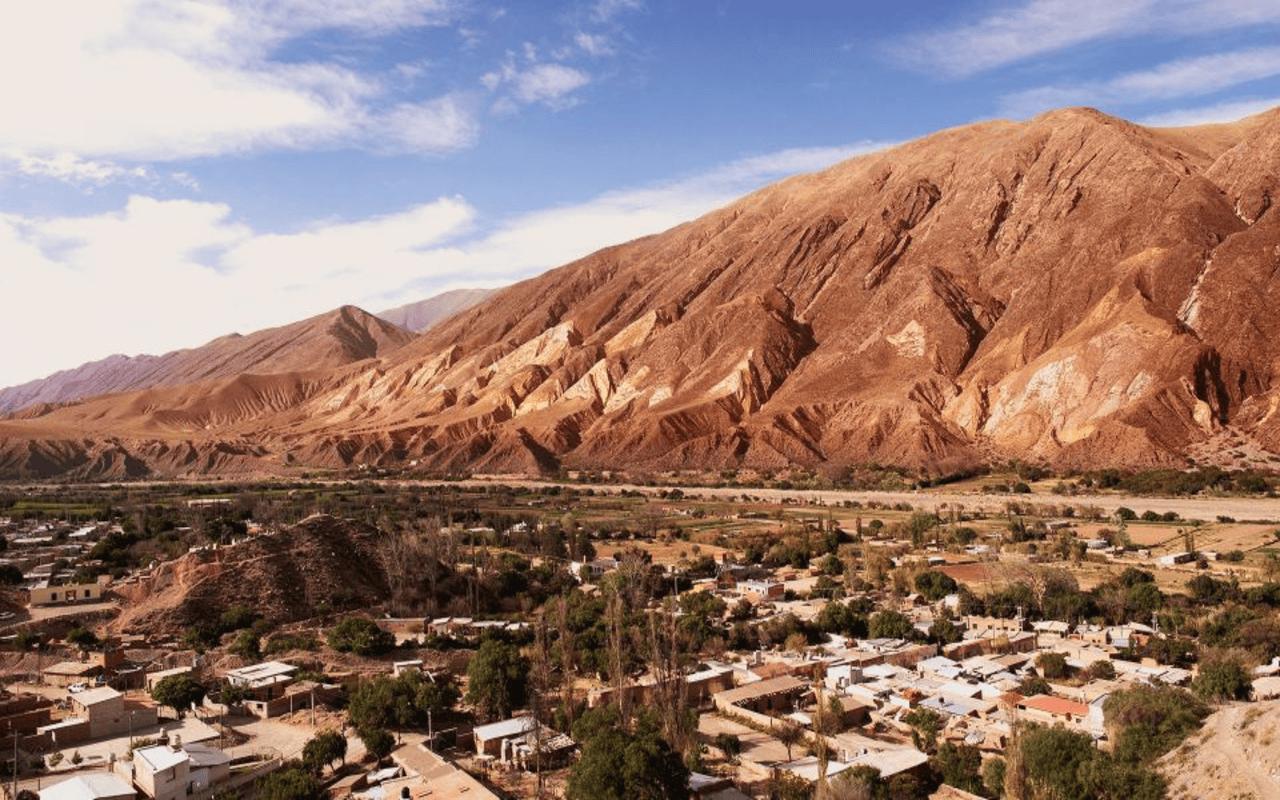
[(53, 596)]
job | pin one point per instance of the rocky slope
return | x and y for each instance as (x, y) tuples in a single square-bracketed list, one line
[(419, 316), (1074, 289), (340, 337)]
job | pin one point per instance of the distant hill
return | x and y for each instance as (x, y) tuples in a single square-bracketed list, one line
[(334, 339), (419, 316)]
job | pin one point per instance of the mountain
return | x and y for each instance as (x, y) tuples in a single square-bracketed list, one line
[(1074, 290), (419, 316), (340, 337)]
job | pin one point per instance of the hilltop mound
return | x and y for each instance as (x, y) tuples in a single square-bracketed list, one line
[(284, 577)]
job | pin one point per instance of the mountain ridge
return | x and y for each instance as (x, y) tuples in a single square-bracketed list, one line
[(334, 338), (1075, 290)]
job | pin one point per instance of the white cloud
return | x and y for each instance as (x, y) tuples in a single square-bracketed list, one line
[(1181, 78), (1047, 26), (370, 16), (436, 126), (595, 45), (70, 168), (1219, 112), (154, 80), (605, 10), (548, 83), (162, 274), (551, 84)]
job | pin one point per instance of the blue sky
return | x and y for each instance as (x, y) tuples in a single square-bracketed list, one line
[(174, 170)]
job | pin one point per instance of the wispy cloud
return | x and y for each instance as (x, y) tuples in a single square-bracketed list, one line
[(70, 168), (595, 45), (1187, 77), (1219, 112), (176, 273), (549, 83), (603, 11), (1047, 26), (435, 126)]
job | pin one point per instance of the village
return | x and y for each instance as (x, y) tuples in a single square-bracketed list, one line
[(892, 644)]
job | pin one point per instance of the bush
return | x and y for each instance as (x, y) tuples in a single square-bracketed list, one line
[(361, 636), (1145, 722), (730, 744), (1222, 676), (1052, 665)]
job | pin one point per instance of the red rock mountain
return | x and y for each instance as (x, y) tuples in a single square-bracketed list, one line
[(337, 338), (1074, 289), (419, 316)]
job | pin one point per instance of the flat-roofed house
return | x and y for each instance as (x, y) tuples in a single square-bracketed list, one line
[(90, 786), (264, 681)]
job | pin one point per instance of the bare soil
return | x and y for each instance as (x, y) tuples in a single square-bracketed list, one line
[(1235, 756)]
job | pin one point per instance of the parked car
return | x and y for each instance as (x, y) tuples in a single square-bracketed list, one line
[(77, 687)]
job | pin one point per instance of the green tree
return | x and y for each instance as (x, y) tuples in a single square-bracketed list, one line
[(178, 692), (960, 766), (935, 585), (1054, 758), (247, 646), (1222, 676), (361, 636), (993, 775), (925, 724), (292, 783), (9, 574), (378, 742), (862, 782), (617, 765), (323, 749), (82, 637), (1145, 722), (497, 679), (944, 631), (404, 701), (890, 625), (789, 733), (1108, 778)]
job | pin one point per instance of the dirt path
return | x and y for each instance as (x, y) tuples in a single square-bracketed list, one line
[(1236, 756)]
